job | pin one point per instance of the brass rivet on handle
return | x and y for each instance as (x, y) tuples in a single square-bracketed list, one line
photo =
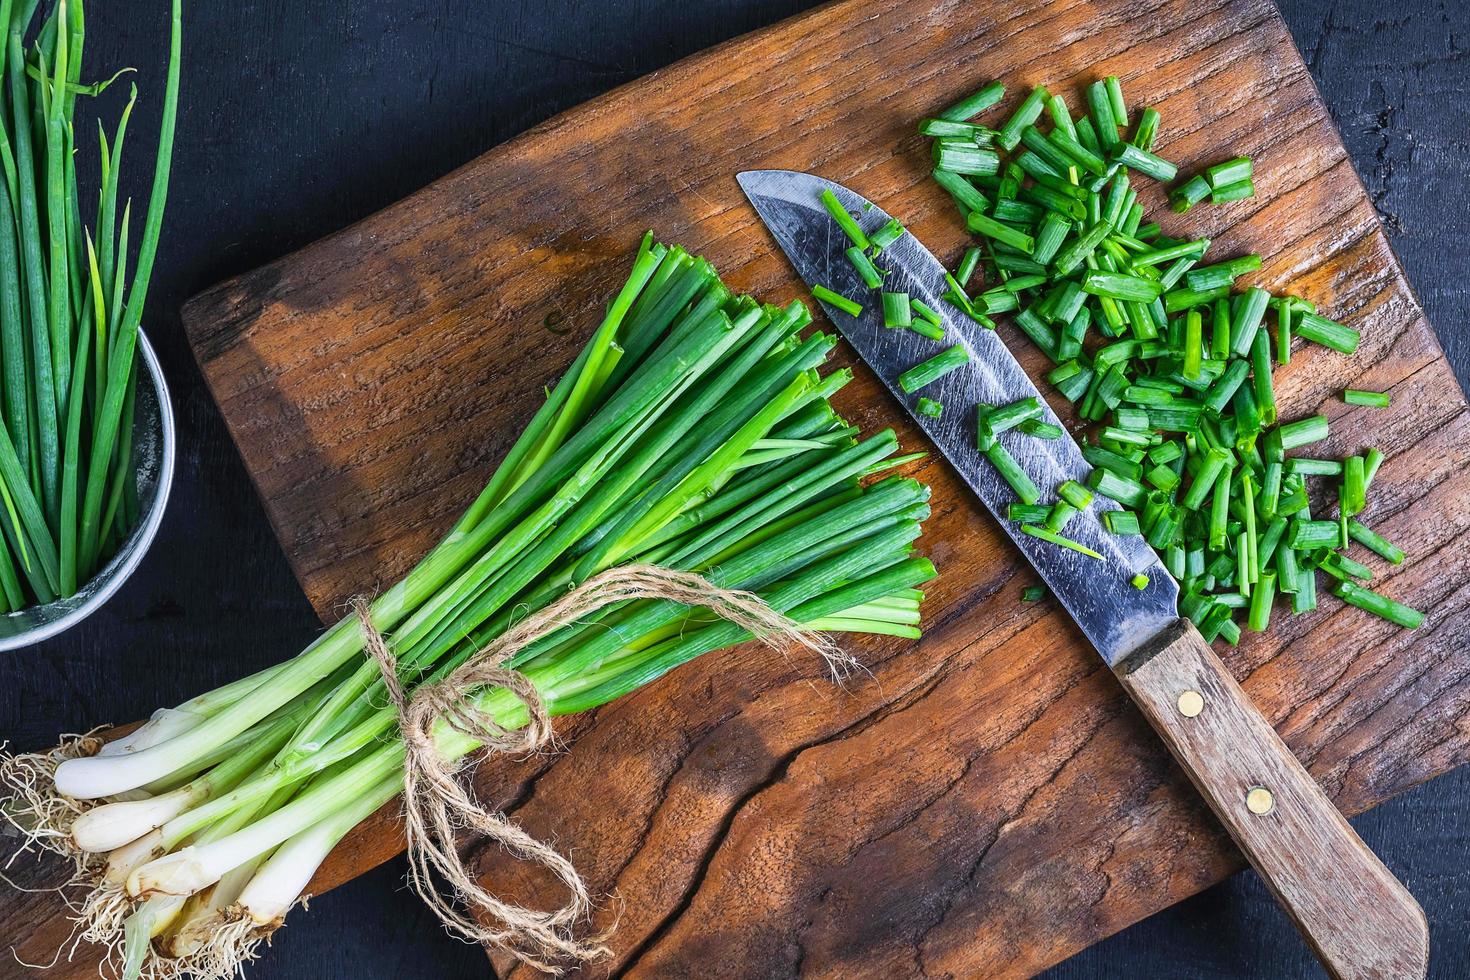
[(1191, 703), (1259, 801)]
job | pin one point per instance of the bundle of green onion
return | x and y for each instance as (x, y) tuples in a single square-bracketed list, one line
[(693, 432), (69, 315), (1160, 352)]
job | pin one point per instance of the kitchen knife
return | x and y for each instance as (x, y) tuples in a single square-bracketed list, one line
[(1356, 915)]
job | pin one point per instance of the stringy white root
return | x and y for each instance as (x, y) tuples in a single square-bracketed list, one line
[(32, 809), (219, 945)]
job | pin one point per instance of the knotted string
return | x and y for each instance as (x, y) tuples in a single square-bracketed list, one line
[(436, 804)]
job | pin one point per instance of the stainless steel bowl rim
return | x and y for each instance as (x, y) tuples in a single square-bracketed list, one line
[(105, 584)]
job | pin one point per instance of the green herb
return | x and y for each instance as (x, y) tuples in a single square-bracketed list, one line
[(897, 312), (866, 271), (1029, 513), (661, 455), (973, 105), (1026, 114), (825, 295), (1139, 581), (1230, 172), (1379, 605), (929, 407), (936, 367), (1054, 538), (1373, 399), (69, 310), (1233, 192), (1163, 351), (844, 220), (886, 235), (1033, 593)]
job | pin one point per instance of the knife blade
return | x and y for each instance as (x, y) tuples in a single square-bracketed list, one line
[(1358, 918), (1116, 617)]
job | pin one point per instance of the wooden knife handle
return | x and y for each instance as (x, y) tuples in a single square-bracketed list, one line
[(1360, 920)]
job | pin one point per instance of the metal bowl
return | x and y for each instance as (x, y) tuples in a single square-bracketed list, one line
[(153, 441)]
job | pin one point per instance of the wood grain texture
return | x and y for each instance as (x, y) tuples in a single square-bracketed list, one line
[(988, 802), (1358, 918)]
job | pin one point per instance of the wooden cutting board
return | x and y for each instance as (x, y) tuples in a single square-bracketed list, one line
[(987, 803)]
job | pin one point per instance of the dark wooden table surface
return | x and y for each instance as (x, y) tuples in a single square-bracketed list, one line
[(300, 116)]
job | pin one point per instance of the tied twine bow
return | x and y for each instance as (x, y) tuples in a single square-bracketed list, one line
[(437, 805)]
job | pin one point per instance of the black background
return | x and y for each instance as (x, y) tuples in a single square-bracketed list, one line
[(300, 116)]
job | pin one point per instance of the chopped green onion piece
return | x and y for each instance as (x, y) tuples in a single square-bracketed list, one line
[(1139, 581), (886, 235), (1372, 459), (1189, 193), (1311, 535), (1374, 542), (929, 407), (1233, 192), (1118, 286), (1034, 593), (1026, 113), (936, 367), (1144, 162), (1221, 273), (1372, 399), (1040, 429), (965, 194), (926, 329), (1354, 491), (1080, 248), (926, 312), (1147, 129), (1029, 513), (967, 267), (1303, 431), (1328, 333), (964, 157), (1184, 299), (1008, 416), (1075, 494), (1120, 521), (1262, 596), (984, 225), (844, 304), (1011, 472), (1100, 107), (896, 310), (1229, 172), (866, 270), (1061, 513), (844, 220), (1378, 605), (1115, 100), (1054, 538), (973, 105), (1313, 467), (951, 129)]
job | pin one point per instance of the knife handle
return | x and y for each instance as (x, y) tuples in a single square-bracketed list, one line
[(1357, 917)]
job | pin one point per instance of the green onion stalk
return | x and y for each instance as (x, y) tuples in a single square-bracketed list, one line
[(693, 432), (69, 311)]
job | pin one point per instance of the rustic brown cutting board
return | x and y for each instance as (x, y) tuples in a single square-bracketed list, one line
[(987, 803)]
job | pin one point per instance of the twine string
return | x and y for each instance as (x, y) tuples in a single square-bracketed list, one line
[(438, 806)]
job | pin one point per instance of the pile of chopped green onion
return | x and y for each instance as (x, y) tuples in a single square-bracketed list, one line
[(69, 313), (1161, 351), (693, 432), (1156, 347)]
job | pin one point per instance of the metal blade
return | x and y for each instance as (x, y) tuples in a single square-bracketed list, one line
[(1116, 616)]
